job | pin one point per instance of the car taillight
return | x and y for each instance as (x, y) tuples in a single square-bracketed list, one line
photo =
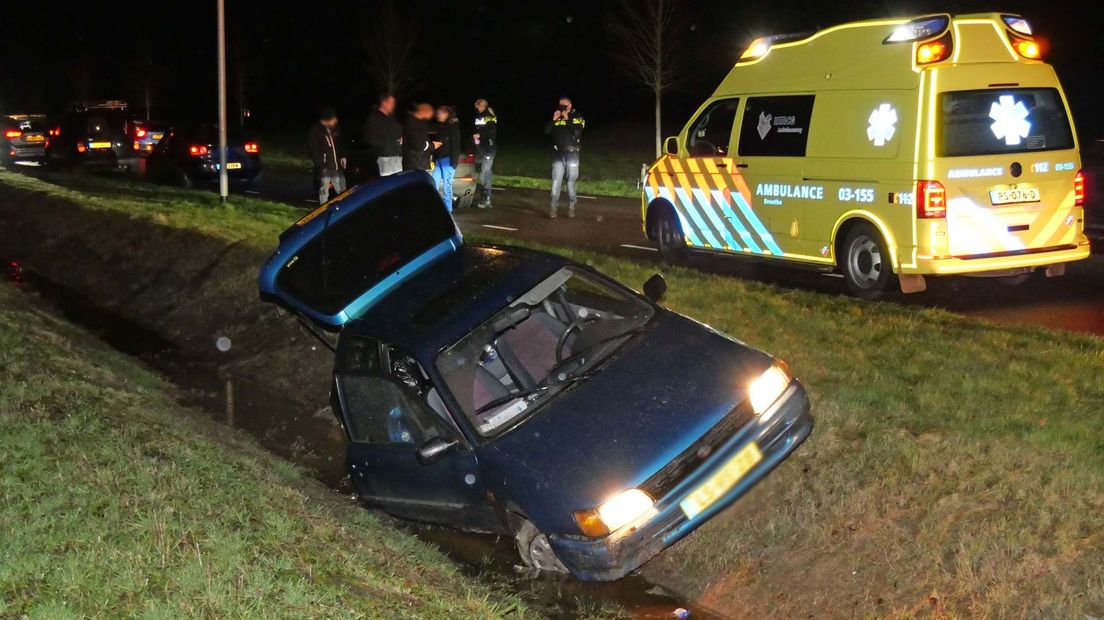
[(140, 133), (55, 132), (252, 147), (469, 159), (12, 134), (81, 147), (136, 145), (931, 200), (197, 150), (1079, 189)]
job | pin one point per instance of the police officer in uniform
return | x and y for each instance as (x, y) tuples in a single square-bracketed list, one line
[(566, 129), (485, 137)]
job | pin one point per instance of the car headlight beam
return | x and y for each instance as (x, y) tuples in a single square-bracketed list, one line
[(765, 390), (615, 513)]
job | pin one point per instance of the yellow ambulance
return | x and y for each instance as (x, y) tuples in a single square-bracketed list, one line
[(887, 150)]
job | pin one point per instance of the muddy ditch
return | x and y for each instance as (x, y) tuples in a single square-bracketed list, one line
[(176, 298)]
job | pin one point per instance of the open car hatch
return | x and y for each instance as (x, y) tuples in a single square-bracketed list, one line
[(348, 254)]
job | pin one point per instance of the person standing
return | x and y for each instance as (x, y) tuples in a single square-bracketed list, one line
[(327, 154), (447, 155), (566, 128), (384, 136), (485, 138), (417, 148)]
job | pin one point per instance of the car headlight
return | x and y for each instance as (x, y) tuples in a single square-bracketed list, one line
[(615, 513), (769, 387)]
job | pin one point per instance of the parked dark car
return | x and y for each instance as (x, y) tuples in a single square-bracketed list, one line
[(93, 136), (147, 134), (517, 392), (188, 155), (24, 138)]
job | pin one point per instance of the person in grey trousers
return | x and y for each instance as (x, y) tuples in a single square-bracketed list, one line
[(384, 136), (566, 128), (485, 138), (327, 153)]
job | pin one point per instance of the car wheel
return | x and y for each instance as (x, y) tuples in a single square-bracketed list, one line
[(465, 202), (535, 550), (866, 268), (669, 238)]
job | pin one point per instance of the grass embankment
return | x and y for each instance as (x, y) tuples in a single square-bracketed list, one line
[(955, 468), (116, 501), (610, 166)]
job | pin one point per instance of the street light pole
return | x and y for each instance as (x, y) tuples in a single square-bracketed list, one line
[(224, 182)]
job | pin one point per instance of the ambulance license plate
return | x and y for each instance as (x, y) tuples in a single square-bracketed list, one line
[(1013, 196), (722, 481)]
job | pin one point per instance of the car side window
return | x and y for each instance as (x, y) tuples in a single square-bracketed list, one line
[(711, 133), (776, 126), (385, 396)]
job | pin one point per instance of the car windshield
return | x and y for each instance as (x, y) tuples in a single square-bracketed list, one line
[(554, 335)]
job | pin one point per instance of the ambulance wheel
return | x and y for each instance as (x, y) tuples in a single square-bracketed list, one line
[(866, 265), (535, 550), (669, 238)]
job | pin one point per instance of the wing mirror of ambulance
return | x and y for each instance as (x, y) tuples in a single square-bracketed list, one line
[(671, 145)]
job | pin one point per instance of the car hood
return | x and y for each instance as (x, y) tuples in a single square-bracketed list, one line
[(661, 392)]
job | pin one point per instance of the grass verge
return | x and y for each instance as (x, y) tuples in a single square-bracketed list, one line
[(116, 501), (955, 468)]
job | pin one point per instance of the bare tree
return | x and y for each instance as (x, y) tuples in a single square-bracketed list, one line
[(395, 58), (645, 35)]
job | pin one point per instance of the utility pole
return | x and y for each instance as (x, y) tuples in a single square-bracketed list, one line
[(224, 182)]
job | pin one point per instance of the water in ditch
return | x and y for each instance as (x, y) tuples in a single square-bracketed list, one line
[(305, 434)]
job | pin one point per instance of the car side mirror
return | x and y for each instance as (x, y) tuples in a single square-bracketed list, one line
[(436, 449), (655, 288), (671, 145)]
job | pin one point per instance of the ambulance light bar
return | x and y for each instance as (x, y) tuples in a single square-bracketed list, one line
[(1017, 24), (919, 29)]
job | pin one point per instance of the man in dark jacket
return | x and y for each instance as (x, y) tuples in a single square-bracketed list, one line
[(417, 148), (327, 153), (485, 138), (384, 136), (566, 129)]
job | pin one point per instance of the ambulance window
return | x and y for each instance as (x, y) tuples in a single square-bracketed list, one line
[(992, 122), (776, 126), (713, 130)]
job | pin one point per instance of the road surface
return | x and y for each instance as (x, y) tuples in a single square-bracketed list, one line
[(612, 225)]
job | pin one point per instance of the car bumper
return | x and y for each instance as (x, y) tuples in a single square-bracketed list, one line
[(999, 263), (622, 552)]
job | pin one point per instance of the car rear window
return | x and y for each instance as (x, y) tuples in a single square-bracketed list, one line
[(995, 122), (358, 251), (105, 122)]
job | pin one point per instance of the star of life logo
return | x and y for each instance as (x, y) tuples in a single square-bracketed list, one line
[(882, 125), (764, 125), (1010, 120)]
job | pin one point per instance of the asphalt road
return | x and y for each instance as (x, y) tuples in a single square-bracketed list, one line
[(612, 225)]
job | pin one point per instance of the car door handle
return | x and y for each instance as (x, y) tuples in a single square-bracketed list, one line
[(741, 166), (722, 164)]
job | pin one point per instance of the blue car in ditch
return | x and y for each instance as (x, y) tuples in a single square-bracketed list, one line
[(516, 392)]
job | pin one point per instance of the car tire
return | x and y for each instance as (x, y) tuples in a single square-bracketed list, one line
[(669, 238), (867, 268), (465, 202), (535, 550)]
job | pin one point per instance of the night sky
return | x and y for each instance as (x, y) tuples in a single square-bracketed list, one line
[(289, 59)]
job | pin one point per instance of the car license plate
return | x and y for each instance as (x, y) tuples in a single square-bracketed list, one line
[(36, 138), (722, 481), (233, 165), (1013, 196), (100, 145)]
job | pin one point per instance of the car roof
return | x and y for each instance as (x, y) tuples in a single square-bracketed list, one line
[(455, 296)]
